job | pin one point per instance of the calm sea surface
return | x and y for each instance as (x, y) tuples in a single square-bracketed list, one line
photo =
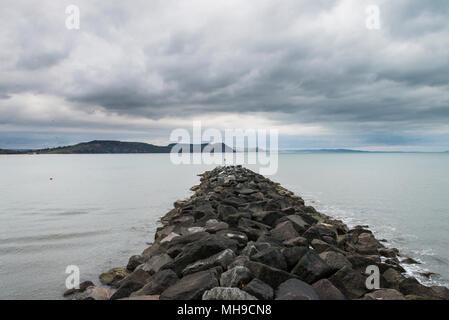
[(100, 209)]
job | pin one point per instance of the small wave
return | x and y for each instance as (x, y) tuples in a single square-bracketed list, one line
[(51, 237)]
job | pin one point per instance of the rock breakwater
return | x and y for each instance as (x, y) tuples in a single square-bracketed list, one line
[(241, 236)]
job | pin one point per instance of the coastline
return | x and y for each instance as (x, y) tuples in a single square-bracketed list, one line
[(242, 236)]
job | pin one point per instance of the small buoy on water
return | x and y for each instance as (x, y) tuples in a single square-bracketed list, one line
[(51, 179)]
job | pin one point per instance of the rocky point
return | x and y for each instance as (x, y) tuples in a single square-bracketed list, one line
[(241, 236)]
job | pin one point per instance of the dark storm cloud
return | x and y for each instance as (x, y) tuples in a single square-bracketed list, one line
[(294, 62)]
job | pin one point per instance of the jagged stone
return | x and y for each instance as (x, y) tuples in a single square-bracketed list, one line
[(259, 289), (220, 293)]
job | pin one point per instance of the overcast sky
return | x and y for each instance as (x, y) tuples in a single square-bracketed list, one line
[(311, 69)]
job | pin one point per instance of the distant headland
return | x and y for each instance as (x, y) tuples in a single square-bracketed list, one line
[(108, 146)]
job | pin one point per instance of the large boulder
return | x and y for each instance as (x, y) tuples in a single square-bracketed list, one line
[(298, 222), (135, 261), (294, 289), (327, 291), (311, 268), (222, 259), (159, 282), (411, 286), (238, 276), (271, 276), (221, 293), (296, 242), (350, 282), (113, 276), (293, 254), (191, 287), (335, 260), (391, 278), (267, 217), (259, 289), (367, 244), (155, 263), (200, 249), (131, 283), (284, 231), (322, 232), (272, 257)]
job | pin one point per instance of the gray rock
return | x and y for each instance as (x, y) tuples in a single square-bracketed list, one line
[(300, 225), (159, 282), (220, 293), (259, 289), (327, 291), (272, 257), (213, 226), (335, 260), (191, 287), (350, 282), (296, 242), (239, 261), (293, 254), (311, 268), (271, 276), (222, 259), (295, 289), (200, 249), (236, 277), (135, 261), (320, 245), (155, 263), (284, 231)]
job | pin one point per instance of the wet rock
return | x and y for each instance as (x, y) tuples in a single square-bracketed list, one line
[(238, 276), (311, 268), (222, 259), (350, 282), (440, 292), (221, 293), (259, 289), (284, 231), (135, 261), (410, 261), (82, 287), (388, 252), (335, 260), (272, 257), (113, 276), (385, 294), (327, 291), (411, 286), (367, 244), (271, 276), (391, 278), (191, 287), (295, 289)]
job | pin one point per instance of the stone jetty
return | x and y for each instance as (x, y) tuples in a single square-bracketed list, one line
[(241, 236)]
